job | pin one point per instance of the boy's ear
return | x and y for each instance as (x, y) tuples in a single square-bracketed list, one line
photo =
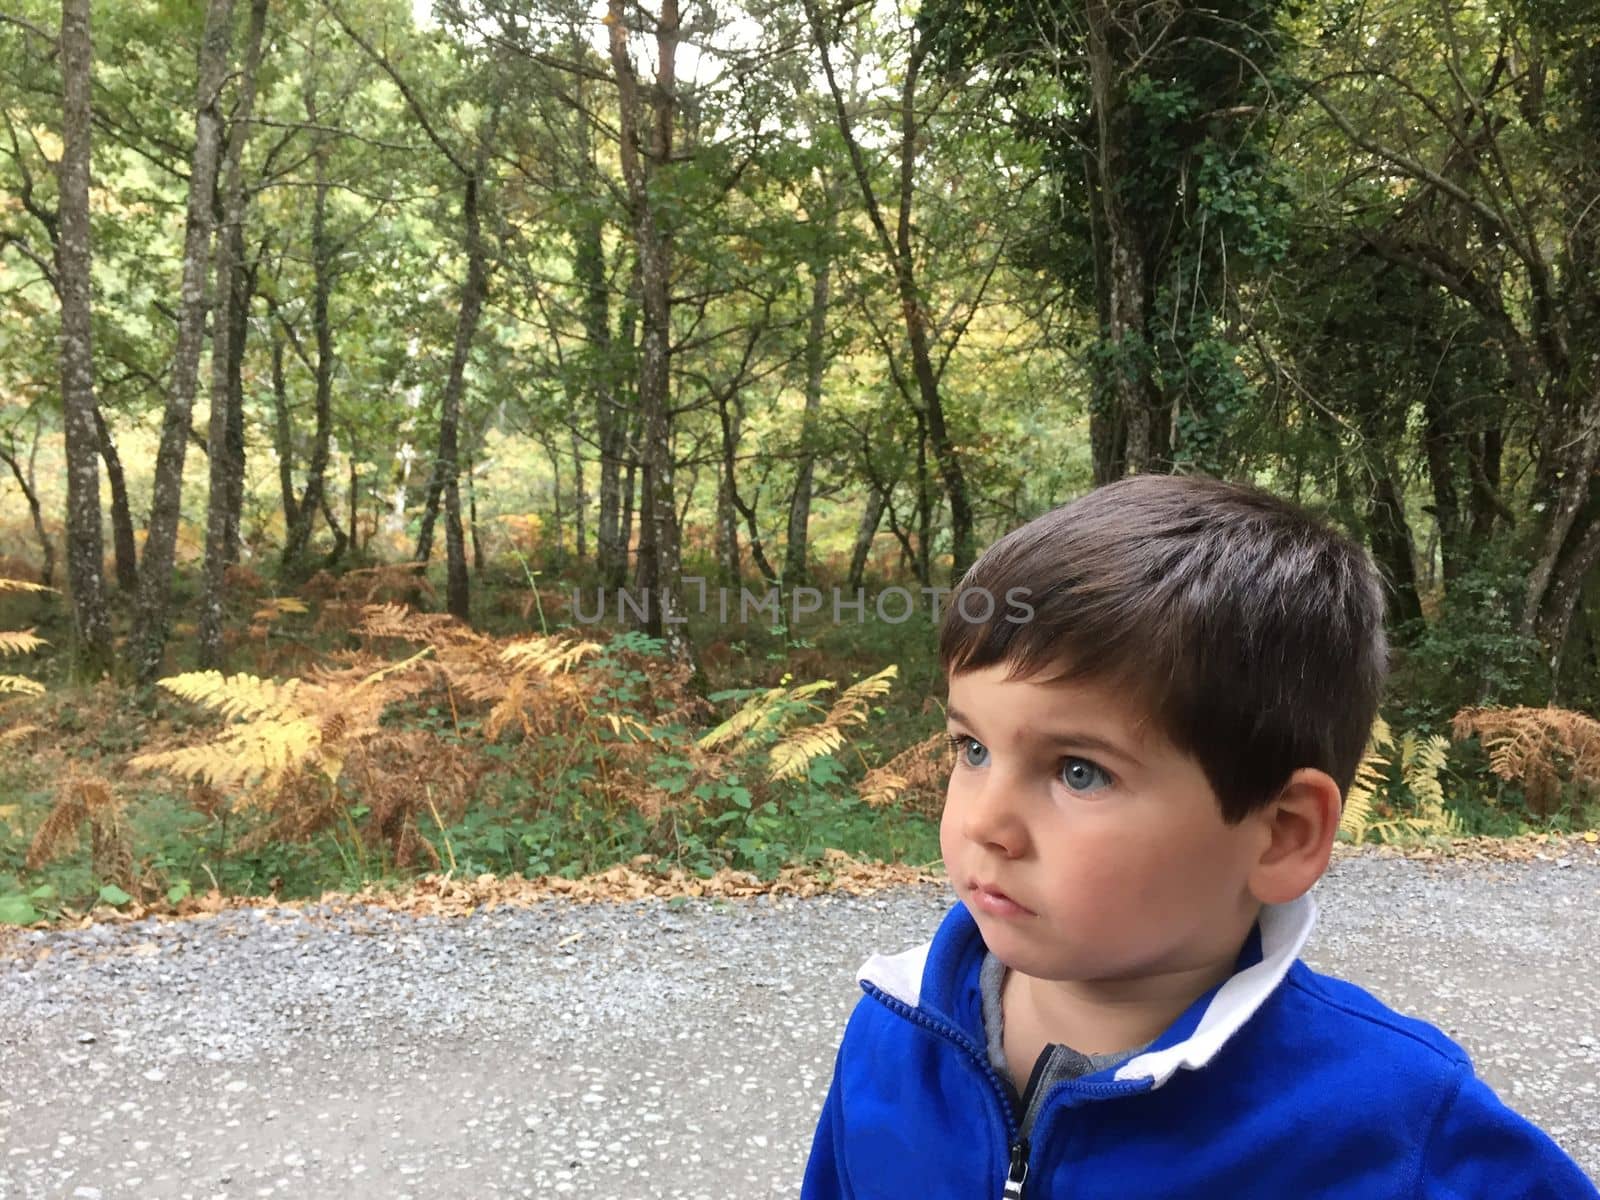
[(1298, 829)]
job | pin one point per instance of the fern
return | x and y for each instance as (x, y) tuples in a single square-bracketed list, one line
[(791, 757), (284, 726), (20, 685), (235, 695), (1536, 747), (94, 802), (19, 641), (852, 708), (914, 779), (1413, 763), (766, 711), (1371, 773), (547, 655)]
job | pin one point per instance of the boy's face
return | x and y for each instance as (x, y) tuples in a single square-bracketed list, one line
[(1086, 846)]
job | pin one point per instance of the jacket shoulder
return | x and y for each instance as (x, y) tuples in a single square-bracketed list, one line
[(1350, 1013)]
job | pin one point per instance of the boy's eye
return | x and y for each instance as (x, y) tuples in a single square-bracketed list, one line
[(970, 752), (1081, 775)]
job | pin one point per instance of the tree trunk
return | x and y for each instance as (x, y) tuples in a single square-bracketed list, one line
[(355, 499), (900, 254), (611, 419), (557, 539), (795, 550), (241, 291), (1441, 442), (580, 500), (1390, 536), (47, 575), (298, 539), (226, 327), (866, 530), (727, 519), (1123, 433), (1571, 439), (153, 615), (1578, 563), (91, 651), (340, 538), (659, 559), (478, 561), (126, 547), (283, 434), (446, 467)]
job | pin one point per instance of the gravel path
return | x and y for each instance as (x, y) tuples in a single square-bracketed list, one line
[(642, 1050)]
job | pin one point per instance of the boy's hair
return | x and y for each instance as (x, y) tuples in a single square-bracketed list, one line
[(1250, 630)]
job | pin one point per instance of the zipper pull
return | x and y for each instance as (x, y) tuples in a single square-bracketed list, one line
[(1018, 1174)]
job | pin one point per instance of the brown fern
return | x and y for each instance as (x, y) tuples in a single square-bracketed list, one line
[(914, 779), (94, 802), (1538, 747), (58, 835)]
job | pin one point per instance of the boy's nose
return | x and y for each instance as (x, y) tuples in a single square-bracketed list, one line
[(990, 816)]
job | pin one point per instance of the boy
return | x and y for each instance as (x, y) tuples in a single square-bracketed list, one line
[(1150, 758)]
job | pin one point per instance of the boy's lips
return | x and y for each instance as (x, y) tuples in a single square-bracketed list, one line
[(992, 900)]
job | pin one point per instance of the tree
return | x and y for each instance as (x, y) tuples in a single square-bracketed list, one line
[(74, 258), (152, 616), (228, 327), (1495, 174), (1156, 122)]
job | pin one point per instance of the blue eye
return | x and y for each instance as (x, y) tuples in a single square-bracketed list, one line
[(1081, 775), (970, 752)]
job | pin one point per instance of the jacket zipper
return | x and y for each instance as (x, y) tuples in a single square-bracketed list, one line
[(1018, 1175), (1017, 1170), (1021, 1148)]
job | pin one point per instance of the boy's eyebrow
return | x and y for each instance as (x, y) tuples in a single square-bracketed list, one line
[(1086, 741)]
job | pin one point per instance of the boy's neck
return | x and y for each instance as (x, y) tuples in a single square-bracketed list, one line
[(1104, 1016)]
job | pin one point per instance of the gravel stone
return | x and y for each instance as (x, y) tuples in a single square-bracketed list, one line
[(631, 1050)]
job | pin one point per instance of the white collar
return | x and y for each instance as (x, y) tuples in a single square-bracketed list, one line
[(1284, 931)]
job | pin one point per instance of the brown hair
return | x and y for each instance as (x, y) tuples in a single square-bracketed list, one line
[(1252, 631)]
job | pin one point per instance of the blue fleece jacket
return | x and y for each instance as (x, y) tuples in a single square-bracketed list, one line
[(1278, 1084)]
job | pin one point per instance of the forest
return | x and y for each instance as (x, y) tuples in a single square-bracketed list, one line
[(532, 438)]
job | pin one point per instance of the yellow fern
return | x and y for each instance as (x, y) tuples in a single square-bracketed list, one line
[(19, 641), (548, 655), (285, 726), (791, 757), (851, 708), (277, 607), (258, 753), (749, 716), (408, 625), (795, 752), (22, 585), (1420, 761), (1371, 773), (20, 685), (770, 708), (235, 695)]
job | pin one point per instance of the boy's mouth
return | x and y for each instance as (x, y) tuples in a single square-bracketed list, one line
[(995, 902)]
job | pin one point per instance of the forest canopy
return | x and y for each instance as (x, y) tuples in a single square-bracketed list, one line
[(815, 293)]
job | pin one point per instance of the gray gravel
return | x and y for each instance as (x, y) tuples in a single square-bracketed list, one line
[(641, 1050)]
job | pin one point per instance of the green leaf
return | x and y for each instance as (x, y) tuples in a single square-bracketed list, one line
[(178, 891), (113, 895), (15, 910), (43, 892)]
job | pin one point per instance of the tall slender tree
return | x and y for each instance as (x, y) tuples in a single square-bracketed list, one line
[(152, 617), (85, 549)]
